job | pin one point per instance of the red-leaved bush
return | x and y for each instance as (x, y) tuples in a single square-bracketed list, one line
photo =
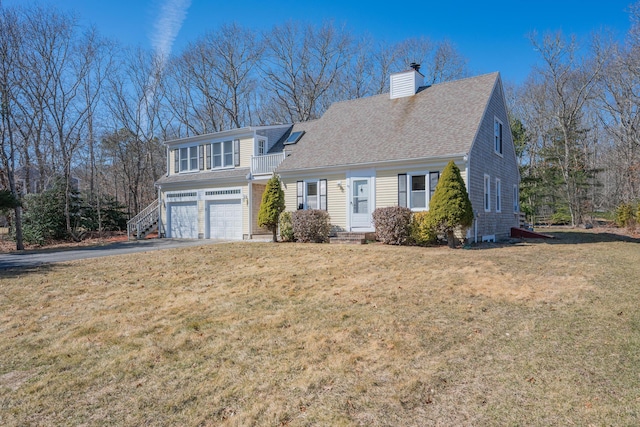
[(311, 226), (392, 224)]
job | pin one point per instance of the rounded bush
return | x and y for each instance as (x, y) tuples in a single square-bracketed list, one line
[(392, 224), (311, 226)]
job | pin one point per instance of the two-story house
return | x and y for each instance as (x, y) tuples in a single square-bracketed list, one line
[(215, 182), (362, 154)]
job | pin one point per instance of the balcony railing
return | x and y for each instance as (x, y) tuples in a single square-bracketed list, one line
[(266, 164)]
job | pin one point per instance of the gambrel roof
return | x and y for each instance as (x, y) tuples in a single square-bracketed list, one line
[(439, 121)]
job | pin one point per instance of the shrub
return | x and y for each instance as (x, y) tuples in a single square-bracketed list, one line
[(311, 226), (392, 224), (286, 227), (423, 230), (450, 208), (624, 215)]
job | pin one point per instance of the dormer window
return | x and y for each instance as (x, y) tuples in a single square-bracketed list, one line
[(187, 159), (262, 147), (222, 155)]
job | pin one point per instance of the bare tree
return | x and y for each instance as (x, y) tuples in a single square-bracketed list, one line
[(10, 43), (570, 82), (302, 64), (135, 100)]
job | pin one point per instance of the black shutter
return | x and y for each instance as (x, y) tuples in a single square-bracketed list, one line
[(176, 160), (300, 194), (201, 157), (207, 163), (236, 152), (402, 190), (500, 138), (323, 194)]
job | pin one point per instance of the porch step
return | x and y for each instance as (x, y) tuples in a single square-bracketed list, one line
[(353, 238)]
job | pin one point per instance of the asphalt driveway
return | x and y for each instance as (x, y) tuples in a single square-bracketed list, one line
[(47, 256)]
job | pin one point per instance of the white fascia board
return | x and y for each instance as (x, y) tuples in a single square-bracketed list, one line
[(387, 164)]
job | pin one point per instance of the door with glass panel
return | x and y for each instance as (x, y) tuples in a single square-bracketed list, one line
[(360, 202)]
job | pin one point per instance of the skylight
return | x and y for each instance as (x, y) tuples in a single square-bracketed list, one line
[(294, 137)]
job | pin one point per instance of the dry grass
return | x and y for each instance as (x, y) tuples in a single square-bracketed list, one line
[(293, 334)]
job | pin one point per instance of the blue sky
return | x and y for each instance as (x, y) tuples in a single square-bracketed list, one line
[(492, 35)]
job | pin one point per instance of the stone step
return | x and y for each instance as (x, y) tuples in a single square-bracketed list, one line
[(353, 237)]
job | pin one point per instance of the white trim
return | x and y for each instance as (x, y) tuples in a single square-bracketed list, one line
[(486, 194), (498, 192), (352, 175)]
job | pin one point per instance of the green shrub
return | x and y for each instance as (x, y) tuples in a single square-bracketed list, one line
[(638, 215), (286, 227), (561, 216), (450, 208), (392, 225), (625, 215), (311, 226), (423, 230)]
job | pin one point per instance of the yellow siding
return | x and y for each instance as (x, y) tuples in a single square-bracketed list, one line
[(387, 187), (245, 211), (246, 151), (336, 201), (289, 187)]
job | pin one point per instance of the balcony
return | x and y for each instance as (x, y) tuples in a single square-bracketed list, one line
[(266, 164)]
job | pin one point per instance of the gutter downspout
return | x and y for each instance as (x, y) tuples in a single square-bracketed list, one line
[(467, 158)]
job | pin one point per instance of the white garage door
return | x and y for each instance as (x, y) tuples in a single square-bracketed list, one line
[(225, 220), (183, 220)]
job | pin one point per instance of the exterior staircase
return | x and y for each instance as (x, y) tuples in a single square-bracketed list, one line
[(144, 223), (357, 238)]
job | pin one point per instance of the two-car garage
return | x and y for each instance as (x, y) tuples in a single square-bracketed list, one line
[(222, 217)]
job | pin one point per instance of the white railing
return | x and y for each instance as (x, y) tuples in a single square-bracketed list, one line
[(144, 221), (267, 163)]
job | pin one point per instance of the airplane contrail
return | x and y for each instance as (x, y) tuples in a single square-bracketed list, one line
[(165, 29)]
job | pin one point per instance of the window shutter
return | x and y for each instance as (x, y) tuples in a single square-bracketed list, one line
[(402, 190), (300, 194), (201, 157), (207, 164), (323, 194), (176, 160), (236, 152), (500, 139)]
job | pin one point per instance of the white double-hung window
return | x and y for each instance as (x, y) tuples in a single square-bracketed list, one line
[(312, 194), (187, 159), (416, 189), (487, 193)]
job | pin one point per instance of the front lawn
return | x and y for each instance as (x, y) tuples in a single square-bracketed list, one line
[(244, 334)]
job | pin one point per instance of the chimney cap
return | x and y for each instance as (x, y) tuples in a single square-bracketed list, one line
[(415, 66)]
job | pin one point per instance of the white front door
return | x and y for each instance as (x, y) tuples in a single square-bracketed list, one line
[(183, 220), (360, 202), (225, 219)]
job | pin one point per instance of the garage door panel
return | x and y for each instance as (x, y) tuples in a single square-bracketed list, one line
[(183, 220), (225, 220)]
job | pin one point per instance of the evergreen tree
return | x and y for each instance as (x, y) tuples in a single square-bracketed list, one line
[(450, 207), (272, 206)]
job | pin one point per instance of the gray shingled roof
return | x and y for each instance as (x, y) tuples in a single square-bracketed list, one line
[(239, 173), (439, 120)]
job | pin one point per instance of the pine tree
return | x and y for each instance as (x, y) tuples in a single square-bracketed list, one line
[(272, 206), (450, 206)]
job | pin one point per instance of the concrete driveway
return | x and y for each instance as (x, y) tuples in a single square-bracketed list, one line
[(47, 256)]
